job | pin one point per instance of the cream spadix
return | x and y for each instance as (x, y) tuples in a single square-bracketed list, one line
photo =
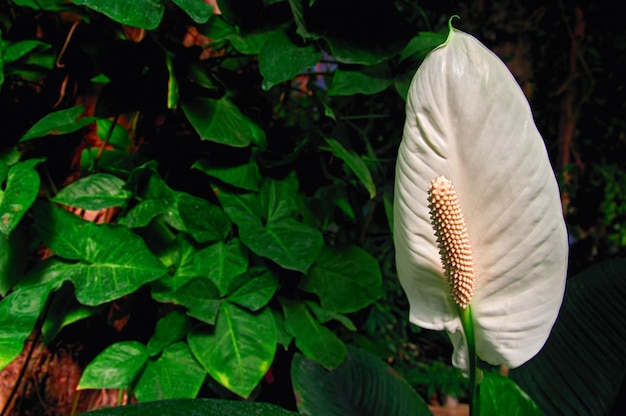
[(468, 120)]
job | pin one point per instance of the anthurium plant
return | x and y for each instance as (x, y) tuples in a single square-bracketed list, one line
[(198, 215)]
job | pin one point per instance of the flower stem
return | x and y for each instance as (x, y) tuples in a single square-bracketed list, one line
[(474, 371)]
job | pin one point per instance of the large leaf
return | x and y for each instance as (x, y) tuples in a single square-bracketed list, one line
[(199, 10), (170, 328), (368, 80), (116, 367), (174, 374), (345, 280), (201, 298), (313, 339), (355, 164), (146, 14), (362, 385), (60, 122), (112, 261), (222, 122), (210, 407), (253, 289), (280, 59), (22, 186), (266, 225), (469, 121), (580, 370), (18, 313), (244, 176), (240, 350), (501, 396), (94, 192)]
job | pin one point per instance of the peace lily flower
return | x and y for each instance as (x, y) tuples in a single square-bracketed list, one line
[(469, 128)]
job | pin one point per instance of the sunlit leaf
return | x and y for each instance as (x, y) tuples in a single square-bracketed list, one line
[(114, 368), (94, 192), (240, 350), (60, 122), (174, 374), (22, 187)]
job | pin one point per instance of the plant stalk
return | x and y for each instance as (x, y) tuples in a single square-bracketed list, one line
[(474, 371)]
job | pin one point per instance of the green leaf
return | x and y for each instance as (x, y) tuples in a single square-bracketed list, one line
[(14, 257), (146, 14), (581, 368), (204, 221), (246, 176), (64, 310), (280, 59), (21, 189), (323, 315), (201, 298), (94, 192), (114, 368), (240, 350), (174, 374), (112, 260), (17, 50), (420, 45), (221, 262), (60, 122), (314, 340), (267, 227), (250, 43), (118, 137), (501, 396), (18, 313), (212, 407), (362, 385), (345, 280), (198, 10), (169, 329), (253, 289), (368, 80), (355, 164), (112, 160), (222, 122)]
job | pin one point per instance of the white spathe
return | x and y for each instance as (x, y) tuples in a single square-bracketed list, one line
[(467, 119)]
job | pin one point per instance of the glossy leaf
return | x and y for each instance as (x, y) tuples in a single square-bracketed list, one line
[(22, 186), (118, 137), (146, 14), (199, 10), (246, 176), (580, 370), (201, 298), (313, 339), (501, 396), (468, 120), (60, 122), (114, 368), (222, 262), (94, 192), (212, 407), (112, 260), (362, 385), (280, 59), (14, 257), (204, 221), (240, 350), (222, 122), (368, 80), (254, 289), (169, 329), (174, 374), (345, 280), (355, 164), (19, 311)]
